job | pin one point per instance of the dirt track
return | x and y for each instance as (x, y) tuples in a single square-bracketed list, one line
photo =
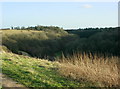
[(9, 83)]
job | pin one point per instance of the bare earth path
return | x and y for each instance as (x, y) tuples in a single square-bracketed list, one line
[(9, 83)]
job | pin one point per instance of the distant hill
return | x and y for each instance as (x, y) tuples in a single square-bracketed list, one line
[(52, 42)]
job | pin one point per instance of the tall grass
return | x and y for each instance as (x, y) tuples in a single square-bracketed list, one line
[(84, 67)]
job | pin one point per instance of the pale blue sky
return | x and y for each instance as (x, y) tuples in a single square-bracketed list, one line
[(62, 14)]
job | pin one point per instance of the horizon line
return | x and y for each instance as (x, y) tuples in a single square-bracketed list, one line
[(61, 27)]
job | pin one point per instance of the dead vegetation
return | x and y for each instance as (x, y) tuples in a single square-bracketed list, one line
[(84, 67)]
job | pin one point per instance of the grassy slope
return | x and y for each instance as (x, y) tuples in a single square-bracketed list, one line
[(33, 72), (19, 31)]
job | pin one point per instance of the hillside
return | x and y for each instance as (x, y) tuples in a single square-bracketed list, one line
[(33, 72), (29, 40), (101, 41), (56, 58)]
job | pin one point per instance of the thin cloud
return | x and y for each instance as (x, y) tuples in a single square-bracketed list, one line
[(87, 6)]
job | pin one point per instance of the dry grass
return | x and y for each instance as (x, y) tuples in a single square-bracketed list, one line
[(83, 67)]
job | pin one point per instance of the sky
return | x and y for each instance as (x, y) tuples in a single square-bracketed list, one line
[(119, 14), (68, 15)]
